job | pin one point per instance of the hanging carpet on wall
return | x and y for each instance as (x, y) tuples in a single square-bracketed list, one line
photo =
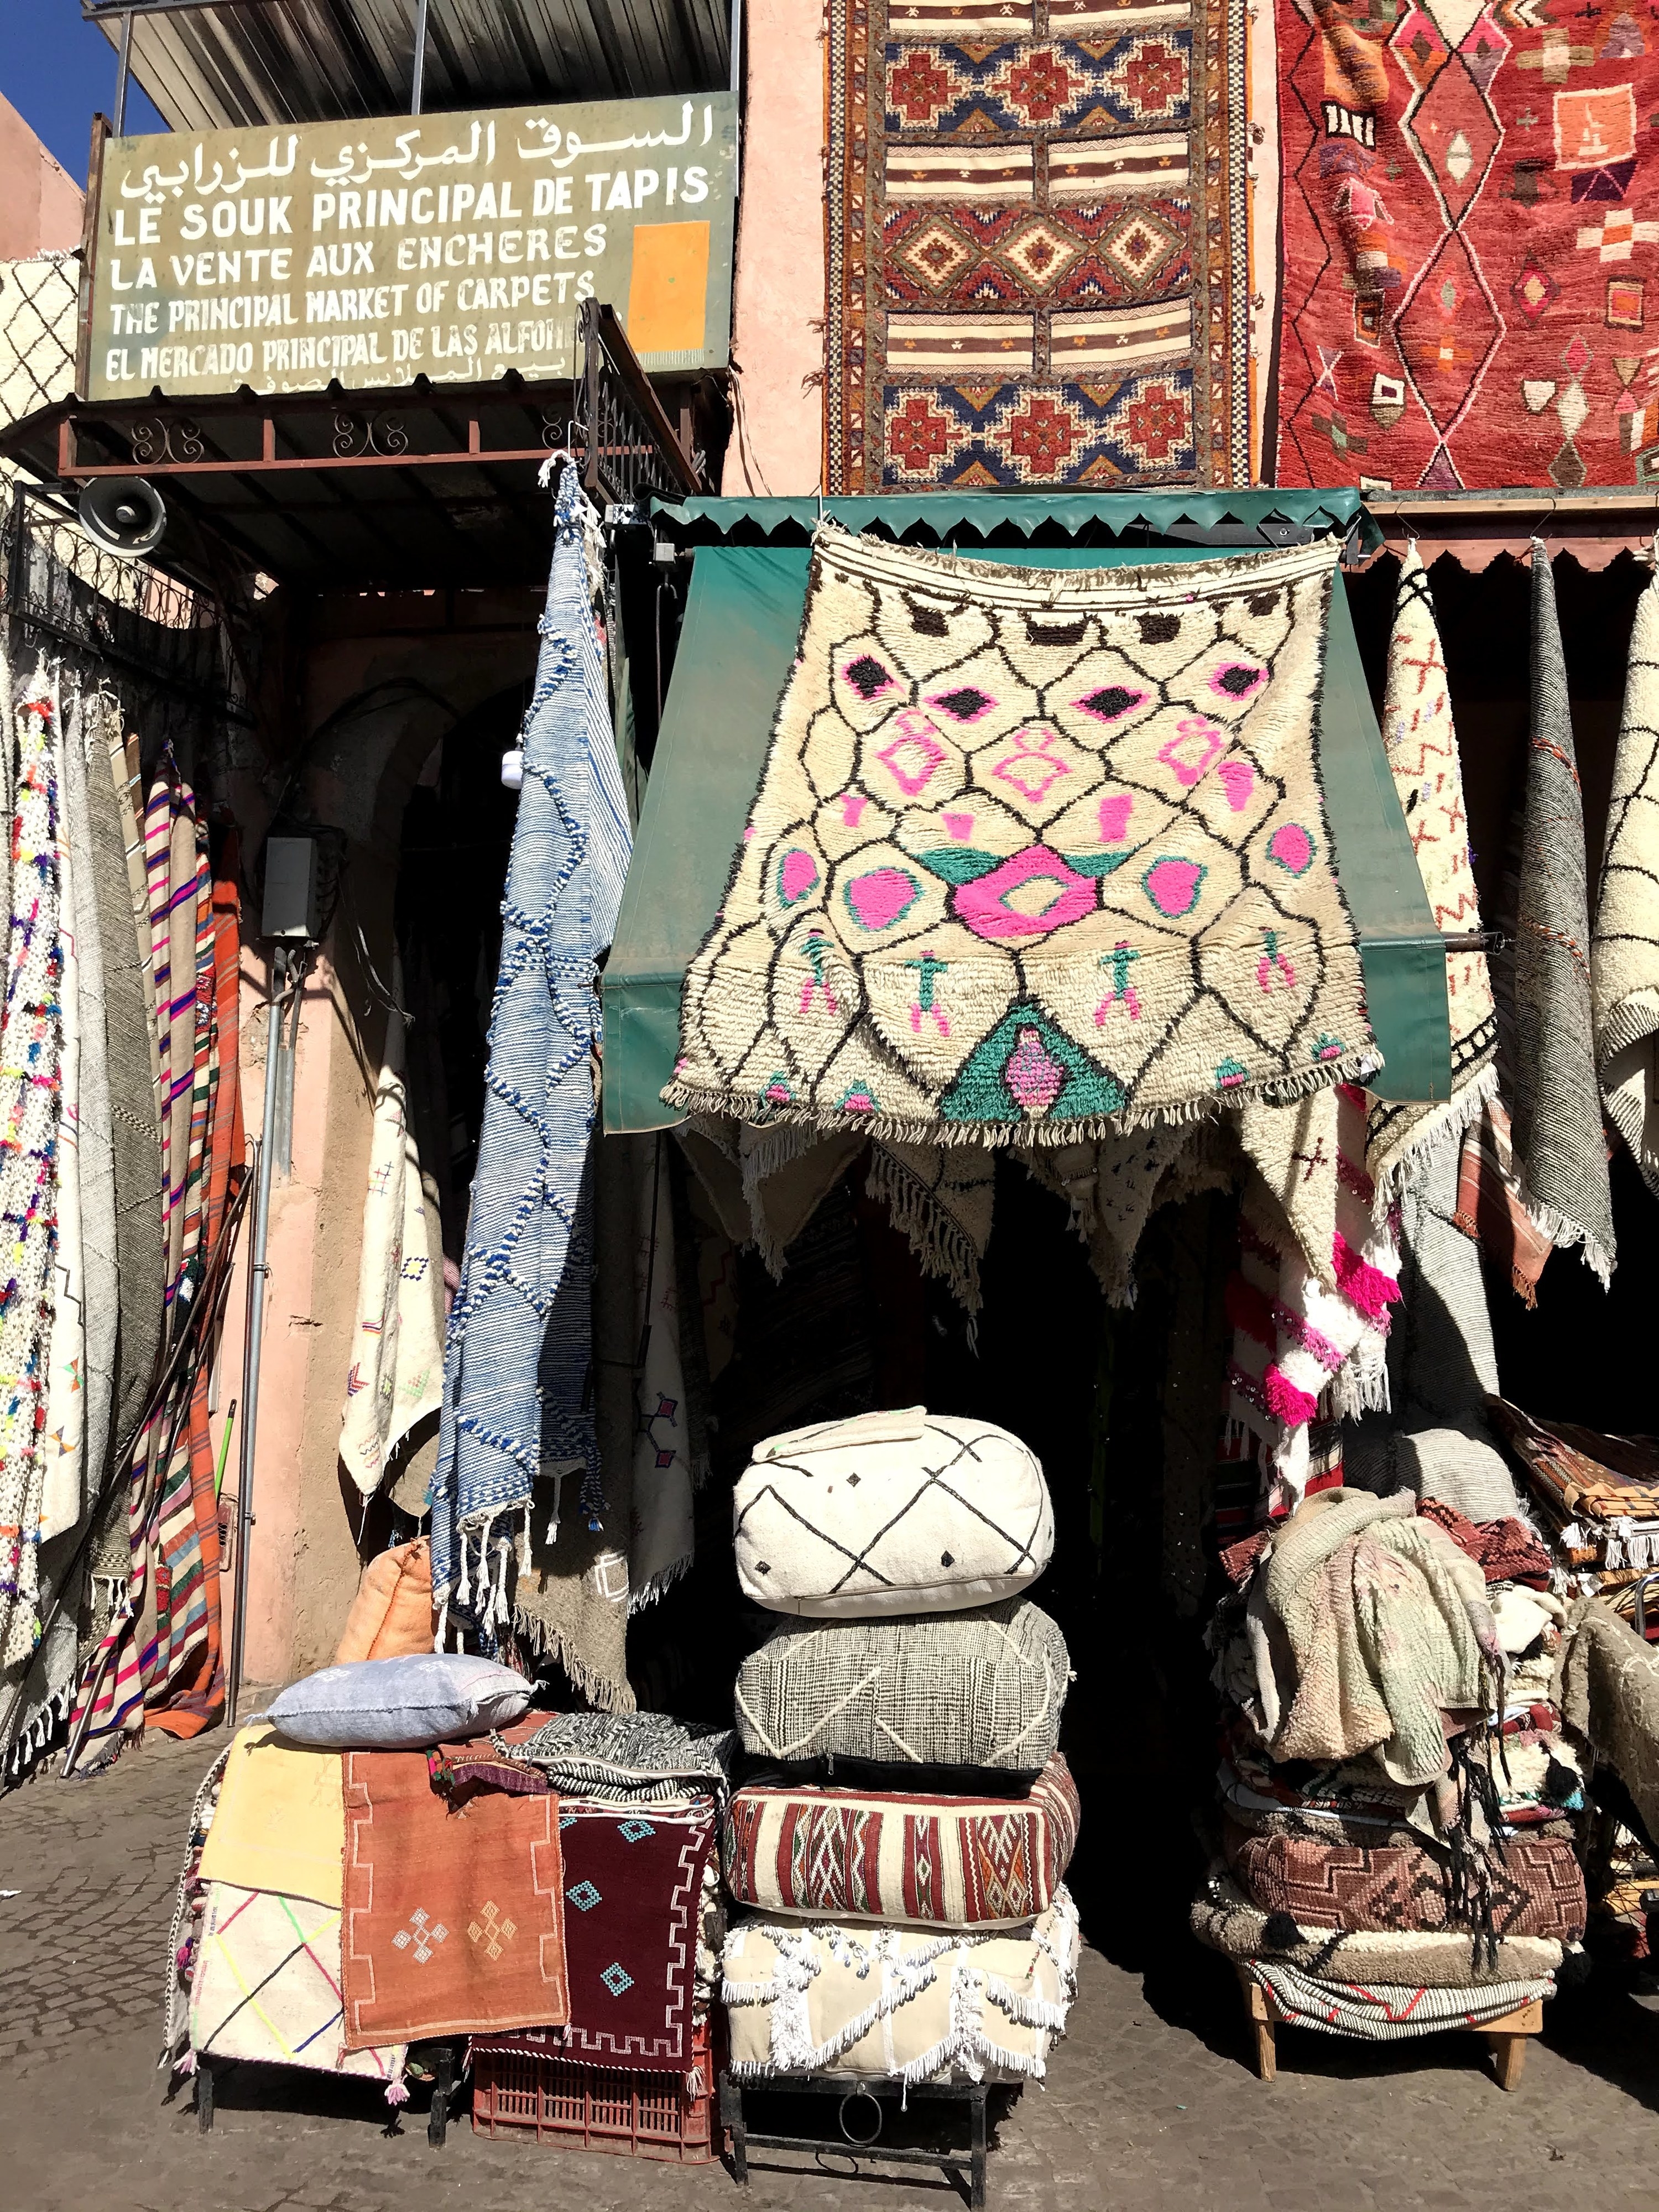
[(1464, 299), (1304, 1337), (1035, 858), (31, 1038), (1625, 958), (1035, 230), (1421, 741), (507, 1412), (396, 1377), (660, 1537), (160, 1663), (1560, 1154)]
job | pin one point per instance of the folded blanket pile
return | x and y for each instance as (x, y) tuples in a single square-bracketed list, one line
[(1396, 1792)]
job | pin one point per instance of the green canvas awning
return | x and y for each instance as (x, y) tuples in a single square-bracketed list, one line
[(736, 648), (940, 518)]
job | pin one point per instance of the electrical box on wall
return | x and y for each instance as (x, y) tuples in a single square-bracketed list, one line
[(292, 908)]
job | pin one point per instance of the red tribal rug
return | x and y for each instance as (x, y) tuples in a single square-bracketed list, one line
[(632, 1891), (1035, 225), (454, 1920), (1466, 247)]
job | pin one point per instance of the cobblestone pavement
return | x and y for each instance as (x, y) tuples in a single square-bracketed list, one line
[(1149, 2103)]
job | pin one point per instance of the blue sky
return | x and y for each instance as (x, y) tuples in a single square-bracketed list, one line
[(57, 70)]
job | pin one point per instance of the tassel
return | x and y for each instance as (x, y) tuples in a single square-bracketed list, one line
[(397, 2092), (186, 2066)]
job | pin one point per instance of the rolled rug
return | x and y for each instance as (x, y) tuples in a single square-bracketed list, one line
[(1398, 1885), (1223, 1917), (1388, 2015)]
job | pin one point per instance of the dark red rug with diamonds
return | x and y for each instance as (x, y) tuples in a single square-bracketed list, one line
[(633, 1898), (1471, 227)]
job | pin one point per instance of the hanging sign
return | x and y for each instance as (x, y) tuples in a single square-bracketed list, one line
[(452, 246)]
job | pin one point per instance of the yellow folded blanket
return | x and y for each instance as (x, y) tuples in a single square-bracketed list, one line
[(281, 1820)]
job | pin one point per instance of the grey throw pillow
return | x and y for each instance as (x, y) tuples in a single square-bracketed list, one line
[(400, 1704)]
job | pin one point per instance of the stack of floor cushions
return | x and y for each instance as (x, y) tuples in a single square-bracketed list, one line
[(1395, 1840), (901, 1843)]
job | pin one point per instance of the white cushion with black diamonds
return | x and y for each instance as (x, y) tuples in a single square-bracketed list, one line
[(909, 1512)]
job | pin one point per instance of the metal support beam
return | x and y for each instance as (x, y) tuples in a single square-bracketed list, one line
[(419, 77), (104, 11), (122, 75), (258, 1270)]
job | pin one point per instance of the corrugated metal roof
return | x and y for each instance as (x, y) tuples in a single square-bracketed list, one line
[(308, 61)]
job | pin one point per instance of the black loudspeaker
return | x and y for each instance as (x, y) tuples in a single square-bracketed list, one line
[(123, 515)]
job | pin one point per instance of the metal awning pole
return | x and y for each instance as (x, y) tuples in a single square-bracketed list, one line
[(420, 58), (737, 45), (124, 70), (255, 1314)]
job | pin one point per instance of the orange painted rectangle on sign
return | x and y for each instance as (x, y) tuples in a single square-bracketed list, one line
[(668, 288)]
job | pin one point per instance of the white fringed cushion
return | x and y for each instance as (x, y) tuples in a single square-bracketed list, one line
[(899, 2004), (910, 1512)]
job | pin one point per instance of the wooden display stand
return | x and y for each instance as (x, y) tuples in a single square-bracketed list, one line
[(1507, 2035)]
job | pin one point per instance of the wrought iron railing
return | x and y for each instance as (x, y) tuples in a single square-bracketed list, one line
[(620, 431), (61, 586)]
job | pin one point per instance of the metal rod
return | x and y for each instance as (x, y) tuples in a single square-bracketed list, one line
[(123, 72), (418, 80), (93, 12), (321, 461), (255, 1314), (737, 45)]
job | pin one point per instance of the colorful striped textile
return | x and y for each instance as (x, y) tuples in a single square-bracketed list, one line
[(516, 1355), (174, 868), (160, 1665), (31, 1035)]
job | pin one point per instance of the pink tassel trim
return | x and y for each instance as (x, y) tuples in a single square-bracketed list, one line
[(1288, 1404), (186, 2065), (397, 2093), (1306, 1338), (1361, 1285)]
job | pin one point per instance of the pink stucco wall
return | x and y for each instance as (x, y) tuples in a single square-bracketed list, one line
[(778, 310), (388, 675), (39, 201)]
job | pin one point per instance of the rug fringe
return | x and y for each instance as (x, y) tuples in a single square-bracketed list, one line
[(1438, 1127), (1563, 1234), (549, 1643), (940, 1245), (658, 1585), (1271, 1090), (35, 1741)]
